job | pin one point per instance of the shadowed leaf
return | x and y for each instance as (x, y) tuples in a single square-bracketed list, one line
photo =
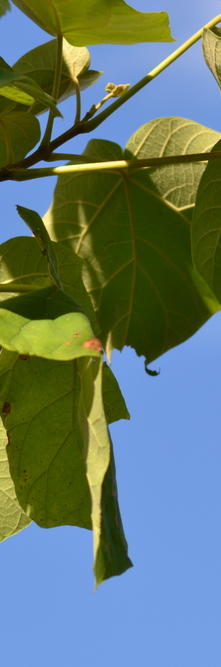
[(47, 452), (12, 517)]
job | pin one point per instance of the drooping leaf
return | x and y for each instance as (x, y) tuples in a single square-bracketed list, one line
[(19, 133), (4, 7), (211, 43), (46, 452), (35, 223), (97, 21), (12, 517), (136, 242), (206, 226), (112, 551), (40, 63), (22, 89), (23, 264)]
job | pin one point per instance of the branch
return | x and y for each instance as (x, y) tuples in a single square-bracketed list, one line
[(19, 174)]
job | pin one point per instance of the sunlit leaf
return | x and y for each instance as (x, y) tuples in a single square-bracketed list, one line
[(97, 21), (136, 240)]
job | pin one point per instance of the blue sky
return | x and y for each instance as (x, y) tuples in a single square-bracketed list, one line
[(166, 611)]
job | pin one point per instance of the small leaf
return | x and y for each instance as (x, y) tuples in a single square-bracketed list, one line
[(35, 223), (97, 22)]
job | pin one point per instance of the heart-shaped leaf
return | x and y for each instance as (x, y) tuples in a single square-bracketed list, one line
[(136, 240)]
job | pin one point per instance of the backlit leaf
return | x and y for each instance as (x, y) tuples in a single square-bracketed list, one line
[(97, 21), (40, 63)]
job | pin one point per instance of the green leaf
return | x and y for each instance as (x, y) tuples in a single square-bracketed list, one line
[(46, 452), (66, 337), (97, 21), (4, 7), (35, 223), (136, 242), (162, 137), (112, 555), (23, 266), (211, 44), (40, 64), (12, 517), (23, 89), (19, 133), (206, 226)]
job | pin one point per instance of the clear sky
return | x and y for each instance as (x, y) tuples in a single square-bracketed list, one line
[(166, 611)]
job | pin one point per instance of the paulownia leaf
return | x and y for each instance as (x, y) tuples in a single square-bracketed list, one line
[(12, 517), (97, 21), (211, 44), (162, 137), (23, 264), (136, 243), (206, 226), (23, 89), (46, 452), (4, 7), (19, 133), (40, 63)]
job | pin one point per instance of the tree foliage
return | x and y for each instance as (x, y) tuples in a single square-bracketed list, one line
[(128, 254)]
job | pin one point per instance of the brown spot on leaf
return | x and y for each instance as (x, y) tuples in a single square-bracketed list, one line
[(93, 344), (23, 357), (6, 409)]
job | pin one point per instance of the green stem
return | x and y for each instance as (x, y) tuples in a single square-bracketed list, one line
[(18, 288), (117, 165), (78, 100), (92, 124), (55, 92)]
